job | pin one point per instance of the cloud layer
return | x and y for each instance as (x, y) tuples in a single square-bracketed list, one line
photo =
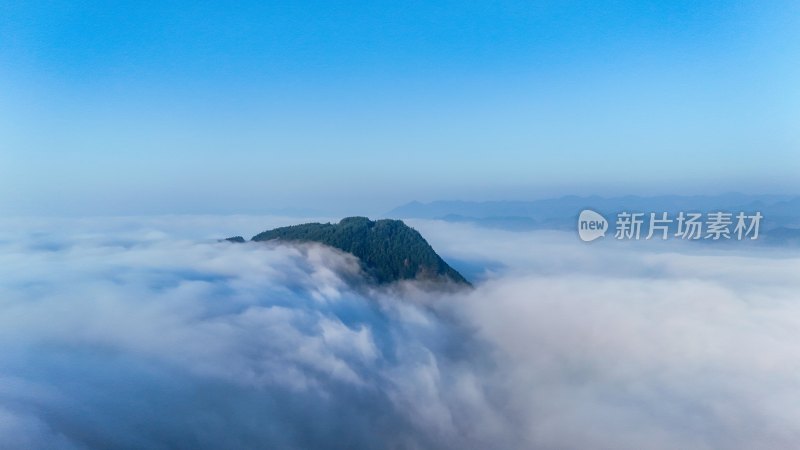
[(142, 333)]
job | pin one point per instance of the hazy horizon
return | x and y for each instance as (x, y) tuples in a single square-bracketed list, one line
[(378, 209)]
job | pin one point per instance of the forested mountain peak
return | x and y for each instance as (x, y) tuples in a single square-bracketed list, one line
[(389, 250)]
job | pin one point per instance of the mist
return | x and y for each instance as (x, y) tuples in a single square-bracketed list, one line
[(149, 333)]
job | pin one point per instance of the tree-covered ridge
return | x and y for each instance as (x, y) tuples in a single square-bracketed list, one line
[(389, 250)]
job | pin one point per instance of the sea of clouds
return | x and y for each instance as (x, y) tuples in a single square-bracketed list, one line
[(149, 333)]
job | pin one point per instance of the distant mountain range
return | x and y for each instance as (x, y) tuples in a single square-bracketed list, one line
[(389, 250), (781, 213)]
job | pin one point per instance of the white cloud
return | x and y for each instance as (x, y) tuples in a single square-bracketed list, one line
[(142, 333)]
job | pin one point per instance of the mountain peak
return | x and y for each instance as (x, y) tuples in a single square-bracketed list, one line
[(389, 250)]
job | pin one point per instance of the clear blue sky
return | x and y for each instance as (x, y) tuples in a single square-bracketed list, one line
[(170, 106)]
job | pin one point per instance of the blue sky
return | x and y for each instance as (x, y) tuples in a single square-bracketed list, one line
[(199, 107)]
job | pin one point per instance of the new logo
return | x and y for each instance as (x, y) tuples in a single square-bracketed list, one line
[(591, 225)]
